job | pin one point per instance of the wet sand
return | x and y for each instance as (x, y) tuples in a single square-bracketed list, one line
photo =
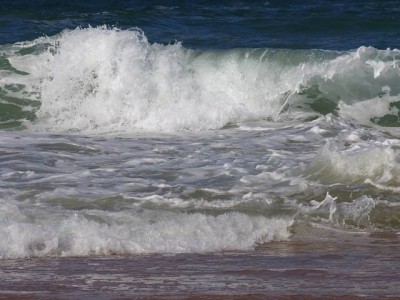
[(332, 269)]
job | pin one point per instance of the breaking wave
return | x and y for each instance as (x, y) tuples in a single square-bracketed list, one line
[(106, 79)]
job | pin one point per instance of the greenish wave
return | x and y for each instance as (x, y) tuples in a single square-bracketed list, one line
[(15, 111), (68, 83)]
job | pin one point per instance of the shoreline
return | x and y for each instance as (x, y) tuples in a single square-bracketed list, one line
[(280, 270)]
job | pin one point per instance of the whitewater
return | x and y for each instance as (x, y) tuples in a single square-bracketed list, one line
[(115, 145), (106, 79)]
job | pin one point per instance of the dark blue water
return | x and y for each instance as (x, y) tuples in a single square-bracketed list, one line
[(339, 25)]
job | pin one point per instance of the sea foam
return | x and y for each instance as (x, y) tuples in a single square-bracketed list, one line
[(351, 158), (127, 232), (106, 79), (109, 79)]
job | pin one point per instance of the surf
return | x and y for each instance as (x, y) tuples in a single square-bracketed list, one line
[(105, 79)]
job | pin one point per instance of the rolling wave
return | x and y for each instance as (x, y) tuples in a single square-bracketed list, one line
[(106, 79)]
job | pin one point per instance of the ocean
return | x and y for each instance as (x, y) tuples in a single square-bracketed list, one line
[(196, 149)]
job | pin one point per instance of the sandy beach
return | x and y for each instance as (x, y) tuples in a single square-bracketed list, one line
[(280, 270)]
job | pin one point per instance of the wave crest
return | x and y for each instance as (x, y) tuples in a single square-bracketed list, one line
[(106, 79)]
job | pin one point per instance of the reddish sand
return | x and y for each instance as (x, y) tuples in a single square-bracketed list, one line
[(279, 270)]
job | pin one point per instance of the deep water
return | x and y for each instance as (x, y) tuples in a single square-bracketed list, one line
[(339, 25)]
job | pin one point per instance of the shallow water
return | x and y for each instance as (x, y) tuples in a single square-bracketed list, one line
[(348, 267), (230, 189)]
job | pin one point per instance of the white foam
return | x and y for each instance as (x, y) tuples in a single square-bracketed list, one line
[(335, 163), (364, 112), (354, 214), (108, 79), (111, 80), (129, 232)]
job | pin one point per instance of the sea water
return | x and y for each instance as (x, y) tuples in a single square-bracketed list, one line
[(132, 128)]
